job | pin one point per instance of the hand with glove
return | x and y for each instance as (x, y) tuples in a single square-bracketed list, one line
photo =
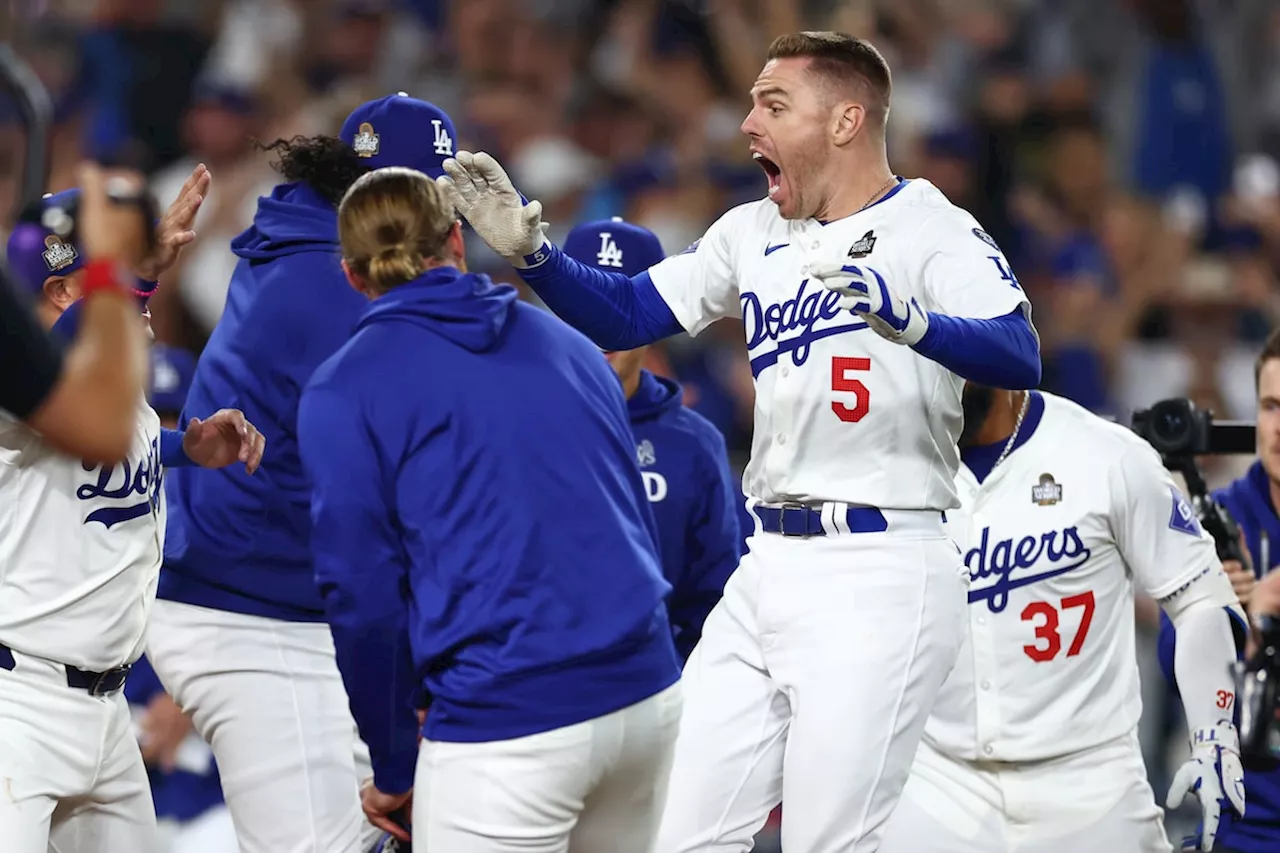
[(865, 292), (1214, 774), (482, 194)]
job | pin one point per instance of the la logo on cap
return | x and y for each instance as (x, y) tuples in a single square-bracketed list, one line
[(57, 254), (366, 141)]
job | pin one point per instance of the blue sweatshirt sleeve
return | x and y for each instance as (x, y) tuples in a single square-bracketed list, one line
[(714, 539), (172, 454), (616, 312), (360, 571), (1003, 352)]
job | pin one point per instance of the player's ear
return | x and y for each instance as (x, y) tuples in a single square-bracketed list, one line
[(847, 121), (61, 291), (357, 282), (455, 246)]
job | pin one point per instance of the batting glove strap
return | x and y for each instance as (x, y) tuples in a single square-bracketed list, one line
[(1214, 774), (865, 292)]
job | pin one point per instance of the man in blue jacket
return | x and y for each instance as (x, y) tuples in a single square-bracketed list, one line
[(1252, 502), (481, 533), (238, 636), (682, 456)]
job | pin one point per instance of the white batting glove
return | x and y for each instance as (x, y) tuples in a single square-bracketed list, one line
[(1214, 775), (865, 292), (482, 193)]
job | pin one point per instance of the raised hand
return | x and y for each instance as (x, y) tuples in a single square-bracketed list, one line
[(481, 192)]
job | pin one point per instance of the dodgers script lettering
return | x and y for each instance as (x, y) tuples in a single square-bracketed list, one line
[(137, 488), (1062, 551), (802, 312)]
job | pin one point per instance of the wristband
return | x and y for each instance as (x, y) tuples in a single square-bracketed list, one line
[(101, 276)]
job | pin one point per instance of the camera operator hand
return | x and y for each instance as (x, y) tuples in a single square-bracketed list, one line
[(85, 403), (1243, 580), (1265, 600)]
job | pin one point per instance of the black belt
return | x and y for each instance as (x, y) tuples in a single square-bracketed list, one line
[(94, 683)]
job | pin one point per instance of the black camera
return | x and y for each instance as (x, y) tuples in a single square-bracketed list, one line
[(1180, 432), (62, 217)]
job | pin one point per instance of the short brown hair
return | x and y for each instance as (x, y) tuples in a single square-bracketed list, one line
[(844, 60), (1270, 351), (390, 223)]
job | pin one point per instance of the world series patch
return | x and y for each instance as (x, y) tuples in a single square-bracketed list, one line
[(1046, 492)]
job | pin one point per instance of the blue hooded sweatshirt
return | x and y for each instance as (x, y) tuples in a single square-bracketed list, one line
[(686, 474), (480, 526), (1249, 502), (237, 542)]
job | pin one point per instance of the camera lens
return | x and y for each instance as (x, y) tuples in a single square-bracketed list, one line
[(1170, 423)]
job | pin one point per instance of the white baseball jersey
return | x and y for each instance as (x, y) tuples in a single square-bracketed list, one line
[(1057, 536), (842, 414), (80, 547)]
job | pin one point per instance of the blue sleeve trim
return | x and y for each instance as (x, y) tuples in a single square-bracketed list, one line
[(172, 455), (616, 312), (1165, 648), (1003, 352)]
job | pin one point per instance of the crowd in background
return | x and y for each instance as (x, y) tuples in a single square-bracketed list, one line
[(1122, 152)]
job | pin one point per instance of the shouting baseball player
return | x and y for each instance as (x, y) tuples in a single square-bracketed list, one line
[(682, 455), (238, 636), (867, 300), (80, 544), (1063, 513)]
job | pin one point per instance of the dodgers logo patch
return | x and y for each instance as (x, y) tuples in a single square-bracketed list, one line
[(1183, 518)]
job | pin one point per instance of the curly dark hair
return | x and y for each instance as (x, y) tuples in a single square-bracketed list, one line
[(326, 163)]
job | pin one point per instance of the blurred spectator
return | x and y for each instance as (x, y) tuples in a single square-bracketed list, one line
[(218, 130)]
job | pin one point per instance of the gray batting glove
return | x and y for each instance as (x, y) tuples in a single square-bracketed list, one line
[(481, 192)]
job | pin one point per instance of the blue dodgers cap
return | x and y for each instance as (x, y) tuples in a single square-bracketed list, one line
[(401, 131), (35, 253), (614, 245), (172, 370)]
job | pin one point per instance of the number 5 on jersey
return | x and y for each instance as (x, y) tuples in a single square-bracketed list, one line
[(843, 382), (1047, 628)]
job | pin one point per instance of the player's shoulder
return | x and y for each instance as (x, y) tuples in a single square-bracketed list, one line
[(928, 208), (1102, 439), (747, 221)]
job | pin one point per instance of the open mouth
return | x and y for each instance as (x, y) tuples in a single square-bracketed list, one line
[(771, 171)]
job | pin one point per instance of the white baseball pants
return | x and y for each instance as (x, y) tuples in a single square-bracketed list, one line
[(811, 686), (267, 697), (71, 774), (212, 832), (593, 787), (1097, 799)]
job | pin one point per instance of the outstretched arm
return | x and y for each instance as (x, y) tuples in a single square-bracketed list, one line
[(686, 292), (616, 312)]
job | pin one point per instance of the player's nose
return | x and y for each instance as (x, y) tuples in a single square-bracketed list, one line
[(751, 124)]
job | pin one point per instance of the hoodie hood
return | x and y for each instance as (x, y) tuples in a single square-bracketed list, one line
[(1249, 502), (654, 395), (465, 308), (294, 218)]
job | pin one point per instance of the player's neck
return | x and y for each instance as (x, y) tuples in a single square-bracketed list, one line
[(1273, 489), (1002, 418), (630, 384), (873, 179)]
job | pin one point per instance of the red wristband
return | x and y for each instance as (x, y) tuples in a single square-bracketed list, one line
[(99, 276)]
